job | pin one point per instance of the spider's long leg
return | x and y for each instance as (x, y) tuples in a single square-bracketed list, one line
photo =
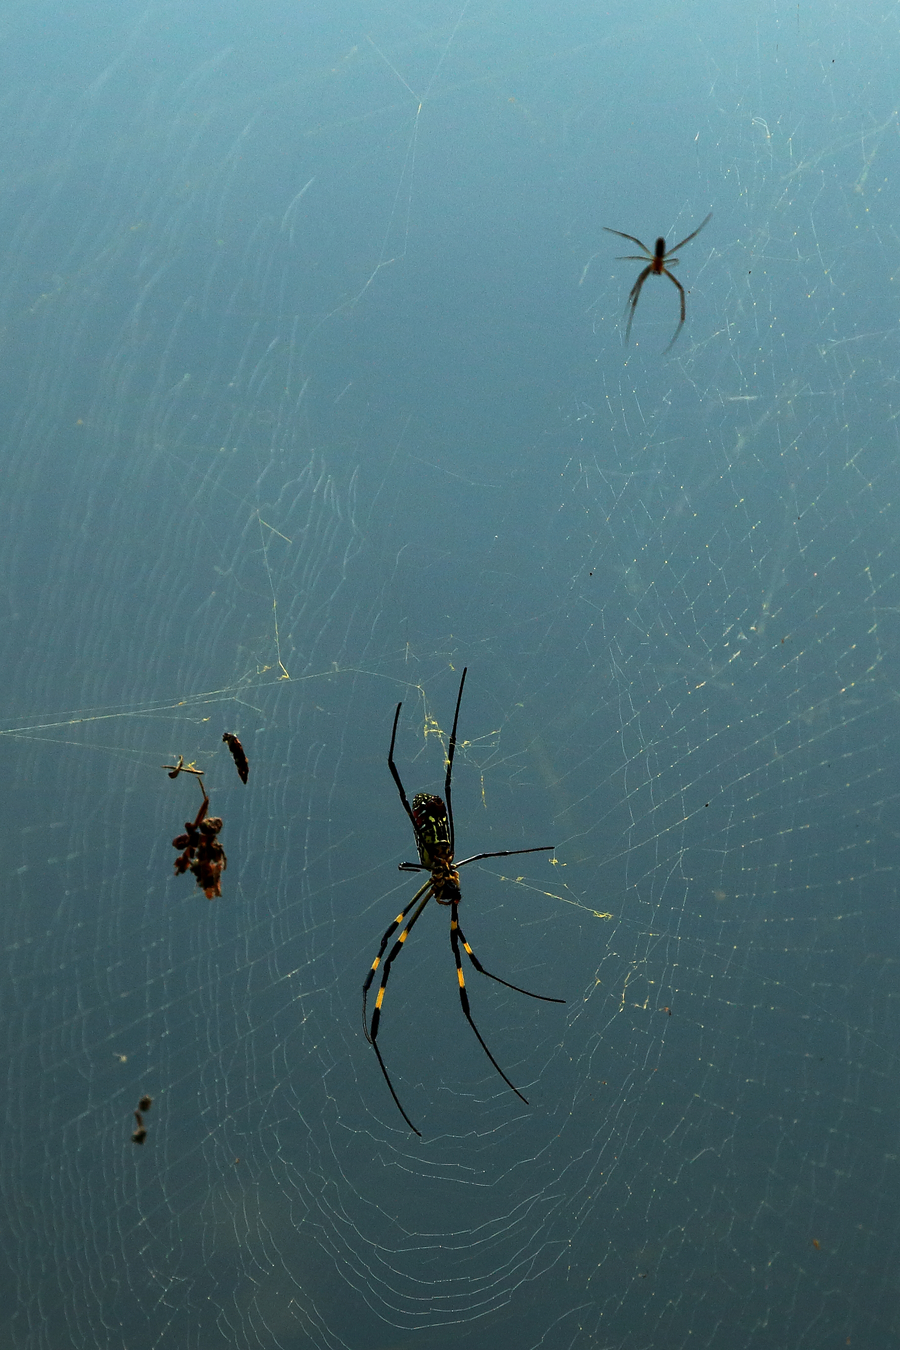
[(393, 1093), (633, 298), (381, 950), (544, 998), (464, 998), (676, 247), (504, 853), (683, 307), (372, 1034), (393, 768), (633, 239), (451, 751)]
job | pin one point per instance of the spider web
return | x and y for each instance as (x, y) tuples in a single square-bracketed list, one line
[(315, 392)]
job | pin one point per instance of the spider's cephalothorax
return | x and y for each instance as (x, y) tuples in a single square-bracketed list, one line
[(432, 823), (435, 846)]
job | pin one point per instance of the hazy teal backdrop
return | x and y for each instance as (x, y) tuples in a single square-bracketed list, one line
[(312, 392)]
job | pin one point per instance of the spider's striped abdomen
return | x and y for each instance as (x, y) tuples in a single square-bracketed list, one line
[(432, 826), (433, 843)]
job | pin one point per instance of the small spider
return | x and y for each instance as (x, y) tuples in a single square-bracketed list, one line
[(659, 264)]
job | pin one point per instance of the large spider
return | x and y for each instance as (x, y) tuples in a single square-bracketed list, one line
[(659, 264), (432, 824)]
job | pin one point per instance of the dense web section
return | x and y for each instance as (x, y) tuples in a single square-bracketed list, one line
[(315, 392)]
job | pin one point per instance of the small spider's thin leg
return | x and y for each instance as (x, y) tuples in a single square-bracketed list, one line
[(451, 751), (544, 998), (464, 998), (629, 257), (393, 768), (504, 853), (376, 1015), (683, 308), (634, 240), (381, 950), (633, 298), (676, 247)]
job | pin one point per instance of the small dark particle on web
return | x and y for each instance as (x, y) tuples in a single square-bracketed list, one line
[(237, 754), (817, 1244), (140, 1133), (668, 1010), (145, 1103)]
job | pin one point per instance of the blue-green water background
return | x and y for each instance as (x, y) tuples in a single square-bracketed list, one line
[(313, 392)]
